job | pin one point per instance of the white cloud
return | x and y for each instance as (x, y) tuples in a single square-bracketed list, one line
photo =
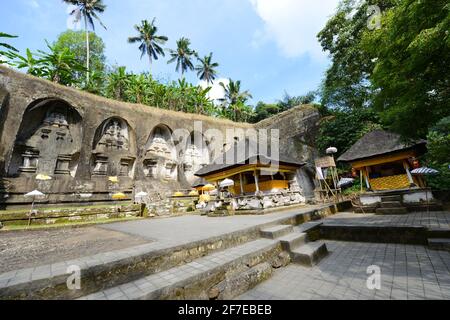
[(33, 4), (217, 92), (293, 24)]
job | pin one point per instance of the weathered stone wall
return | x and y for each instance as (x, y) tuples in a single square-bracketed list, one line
[(92, 147), (69, 215)]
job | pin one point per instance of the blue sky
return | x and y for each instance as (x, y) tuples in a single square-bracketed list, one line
[(270, 45)]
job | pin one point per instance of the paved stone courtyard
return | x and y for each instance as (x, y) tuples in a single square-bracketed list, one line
[(438, 219), (407, 272)]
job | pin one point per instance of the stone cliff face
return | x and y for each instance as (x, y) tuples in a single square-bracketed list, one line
[(82, 147)]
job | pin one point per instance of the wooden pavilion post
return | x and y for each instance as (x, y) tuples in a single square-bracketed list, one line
[(241, 180), (256, 180)]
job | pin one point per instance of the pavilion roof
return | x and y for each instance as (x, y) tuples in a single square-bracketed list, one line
[(377, 143), (245, 153)]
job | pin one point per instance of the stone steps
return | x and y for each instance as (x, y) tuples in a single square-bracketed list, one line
[(296, 243), (293, 240), (276, 232), (309, 254), (439, 244), (391, 204), (396, 198), (391, 211), (221, 275)]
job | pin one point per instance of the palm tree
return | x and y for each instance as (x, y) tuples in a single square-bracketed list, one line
[(205, 70), (5, 45), (87, 9), (183, 56), (117, 83), (234, 98), (150, 41)]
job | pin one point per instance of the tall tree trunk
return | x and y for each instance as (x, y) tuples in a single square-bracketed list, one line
[(150, 64), (88, 53)]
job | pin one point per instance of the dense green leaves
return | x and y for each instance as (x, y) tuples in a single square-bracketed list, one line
[(342, 129), (410, 76), (57, 64), (6, 46), (87, 10), (75, 42), (438, 156)]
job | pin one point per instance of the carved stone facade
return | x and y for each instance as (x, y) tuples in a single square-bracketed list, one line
[(90, 146)]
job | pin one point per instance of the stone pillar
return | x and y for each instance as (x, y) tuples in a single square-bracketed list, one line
[(242, 184)]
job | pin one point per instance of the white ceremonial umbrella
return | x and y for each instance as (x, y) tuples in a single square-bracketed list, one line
[(33, 194), (226, 183), (141, 195), (424, 171)]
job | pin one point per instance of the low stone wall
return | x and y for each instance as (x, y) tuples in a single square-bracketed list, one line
[(412, 199), (67, 215)]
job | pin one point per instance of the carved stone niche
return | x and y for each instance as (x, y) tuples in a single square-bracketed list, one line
[(30, 158), (160, 156), (126, 166), (63, 165), (114, 136), (100, 166), (48, 141), (170, 167), (151, 168)]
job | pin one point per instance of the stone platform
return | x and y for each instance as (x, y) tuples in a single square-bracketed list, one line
[(176, 242)]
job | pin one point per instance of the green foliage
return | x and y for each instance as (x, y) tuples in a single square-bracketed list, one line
[(438, 156), (87, 9), (57, 65), (264, 111), (343, 128), (288, 101), (150, 42), (183, 56), (6, 46), (410, 75), (234, 105), (143, 89), (206, 69), (75, 42), (347, 81)]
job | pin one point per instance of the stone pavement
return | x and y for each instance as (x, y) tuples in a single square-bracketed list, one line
[(440, 219), (407, 272), (177, 231)]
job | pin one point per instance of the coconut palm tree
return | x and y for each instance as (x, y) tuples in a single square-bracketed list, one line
[(206, 70), (149, 40), (183, 56), (87, 9), (235, 99)]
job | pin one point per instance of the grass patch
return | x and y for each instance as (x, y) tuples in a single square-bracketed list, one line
[(66, 225), (46, 209)]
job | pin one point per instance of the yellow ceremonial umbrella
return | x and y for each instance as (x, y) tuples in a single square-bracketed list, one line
[(193, 193), (43, 177), (113, 179), (119, 196), (208, 187)]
